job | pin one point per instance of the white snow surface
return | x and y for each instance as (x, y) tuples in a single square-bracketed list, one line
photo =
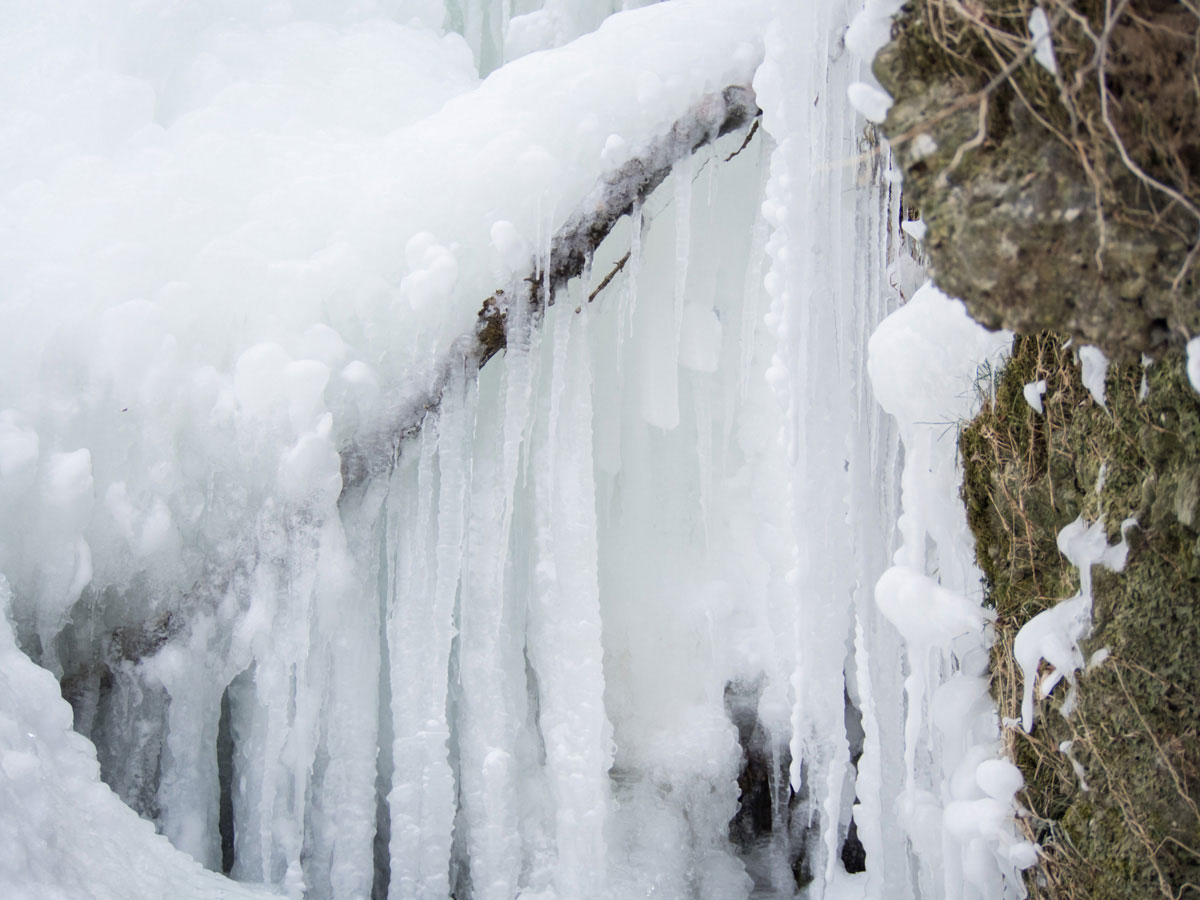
[(1094, 366), (869, 100), (236, 238)]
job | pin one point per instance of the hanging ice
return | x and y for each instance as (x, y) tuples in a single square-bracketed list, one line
[(345, 616)]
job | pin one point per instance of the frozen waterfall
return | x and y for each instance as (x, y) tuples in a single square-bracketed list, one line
[(672, 598)]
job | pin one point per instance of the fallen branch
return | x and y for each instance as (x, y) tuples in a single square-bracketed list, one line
[(572, 248), (376, 452)]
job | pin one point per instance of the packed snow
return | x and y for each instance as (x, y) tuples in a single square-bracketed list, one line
[(1193, 363), (869, 100), (705, 518), (915, 229)]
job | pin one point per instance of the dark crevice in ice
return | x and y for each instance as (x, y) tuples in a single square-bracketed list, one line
[(225, 779), (769, 831), (854, 855)]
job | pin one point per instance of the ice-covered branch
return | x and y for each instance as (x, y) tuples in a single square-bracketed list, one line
[(615, 195)]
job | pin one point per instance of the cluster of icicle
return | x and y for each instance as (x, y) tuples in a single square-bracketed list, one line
[(618, 583)]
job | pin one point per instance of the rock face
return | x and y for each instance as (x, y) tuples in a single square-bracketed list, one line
[(1013, 224)]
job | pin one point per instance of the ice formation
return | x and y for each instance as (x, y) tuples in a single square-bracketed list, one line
[(1033, 393), (1039, 33), (1094, 371), (1054, 634), (662, 601)]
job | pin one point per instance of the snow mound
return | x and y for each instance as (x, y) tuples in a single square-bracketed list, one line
[(66, 835)]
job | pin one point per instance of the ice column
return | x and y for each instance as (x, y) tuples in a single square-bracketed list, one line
[(427, 559), (491, 638), (828, 203), (564, 615)]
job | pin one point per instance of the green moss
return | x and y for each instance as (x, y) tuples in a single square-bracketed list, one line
[(1136, 831)]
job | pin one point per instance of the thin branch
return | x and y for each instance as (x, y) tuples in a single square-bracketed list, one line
[(746, 143), (377, 452), (980, 136), (616, 270)]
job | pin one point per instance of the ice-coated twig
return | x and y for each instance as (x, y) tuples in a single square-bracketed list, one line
[(376, 450)]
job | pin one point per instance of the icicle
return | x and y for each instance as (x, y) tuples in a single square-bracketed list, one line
[(869, 806), (702, 390), (276, 726), (437, 801), (564, 620), (562, 340), (491, 688), (188, 791), (751, 305), (657, 326), (305, 675), (344, 706), (681, 182), (628, 302), (419, 854)]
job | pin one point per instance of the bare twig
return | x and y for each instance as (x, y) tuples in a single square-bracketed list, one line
[(611, 275), (978, 139), (746, 143)]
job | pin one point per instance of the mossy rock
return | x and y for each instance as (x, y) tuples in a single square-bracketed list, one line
[(1135, 830), (1013, 224)]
